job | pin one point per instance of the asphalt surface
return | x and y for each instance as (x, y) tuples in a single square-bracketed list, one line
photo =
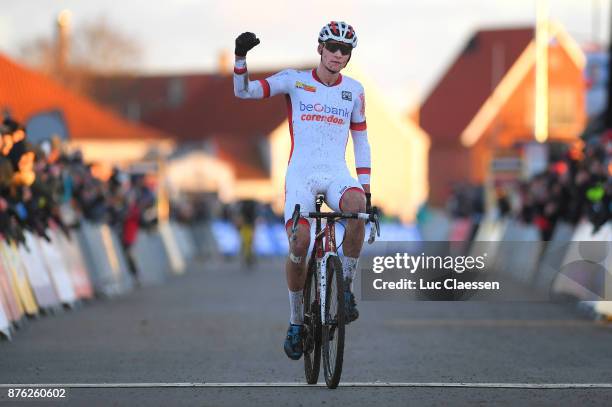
[(221, 324)]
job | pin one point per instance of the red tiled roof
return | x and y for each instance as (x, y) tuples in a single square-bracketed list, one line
[(149, 92), (470, 80), (27, 93), (214, 109), (208, 108), (209, 111)]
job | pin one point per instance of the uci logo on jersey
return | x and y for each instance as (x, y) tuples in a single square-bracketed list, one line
[(307, 88), (346, 95)]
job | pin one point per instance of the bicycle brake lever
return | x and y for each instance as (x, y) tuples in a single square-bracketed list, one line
[(374, 227), (376, 221), (377, 224), (372, 233)]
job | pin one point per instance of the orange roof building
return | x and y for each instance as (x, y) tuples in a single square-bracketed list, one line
[(480, 115), (201, 109), (102, 134)]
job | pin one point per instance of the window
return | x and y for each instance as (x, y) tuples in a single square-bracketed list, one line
[(562, 105), (176, 92)]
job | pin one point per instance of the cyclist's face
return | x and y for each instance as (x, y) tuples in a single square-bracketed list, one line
[(334, 61)]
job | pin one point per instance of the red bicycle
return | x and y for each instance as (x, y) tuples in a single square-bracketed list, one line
[(324, 319)]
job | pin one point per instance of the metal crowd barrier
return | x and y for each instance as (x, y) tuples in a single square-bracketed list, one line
[(105, 262), (575, 263), (512, 247), (43, 276)]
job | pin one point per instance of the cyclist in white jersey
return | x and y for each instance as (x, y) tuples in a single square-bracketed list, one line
[(323, 106)]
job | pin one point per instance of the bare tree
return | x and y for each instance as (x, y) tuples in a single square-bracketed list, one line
[(100, 48), (93, 49), (39, 54)]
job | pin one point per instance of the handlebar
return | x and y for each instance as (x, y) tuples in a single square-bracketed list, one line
[(368, 217)]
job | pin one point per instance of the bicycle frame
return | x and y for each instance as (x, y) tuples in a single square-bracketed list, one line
[(322, 255)]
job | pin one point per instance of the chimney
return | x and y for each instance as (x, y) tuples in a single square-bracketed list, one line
[(63, 41), (224, 63), (414, 114)]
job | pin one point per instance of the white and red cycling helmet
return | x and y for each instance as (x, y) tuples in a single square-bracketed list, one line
[(338, 31)]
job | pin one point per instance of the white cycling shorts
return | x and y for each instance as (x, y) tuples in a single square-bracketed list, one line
[(302, 188)]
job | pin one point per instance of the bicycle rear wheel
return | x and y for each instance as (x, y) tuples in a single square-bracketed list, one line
[(333, 329), (312, 323)]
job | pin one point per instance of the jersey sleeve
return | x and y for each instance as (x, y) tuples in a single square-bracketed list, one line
[(361, 145), (358, 117), (259, 89), (279, 83)]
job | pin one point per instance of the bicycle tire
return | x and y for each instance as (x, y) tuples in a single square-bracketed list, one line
[(312, 323), (333, 335)]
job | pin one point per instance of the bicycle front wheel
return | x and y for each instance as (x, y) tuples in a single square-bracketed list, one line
[(333, 329), (312, 323)]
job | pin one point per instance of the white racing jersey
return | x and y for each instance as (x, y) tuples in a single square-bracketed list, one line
[(320, 118)]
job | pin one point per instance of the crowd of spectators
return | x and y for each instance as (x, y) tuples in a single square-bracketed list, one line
[(574, 187), (577, 185), (43, 187)]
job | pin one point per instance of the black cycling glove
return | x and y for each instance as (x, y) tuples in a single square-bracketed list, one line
[(244, 43)]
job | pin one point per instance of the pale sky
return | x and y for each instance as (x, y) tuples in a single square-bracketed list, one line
[(404, 46)]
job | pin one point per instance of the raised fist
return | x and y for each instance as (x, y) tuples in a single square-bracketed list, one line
[(245, 42)]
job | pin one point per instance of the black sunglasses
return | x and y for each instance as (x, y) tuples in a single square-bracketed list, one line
[(335, 46)]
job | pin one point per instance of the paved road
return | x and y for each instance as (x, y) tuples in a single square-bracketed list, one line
[(219, 324)]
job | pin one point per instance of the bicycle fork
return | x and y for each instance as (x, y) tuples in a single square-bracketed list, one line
[(323, 286)]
